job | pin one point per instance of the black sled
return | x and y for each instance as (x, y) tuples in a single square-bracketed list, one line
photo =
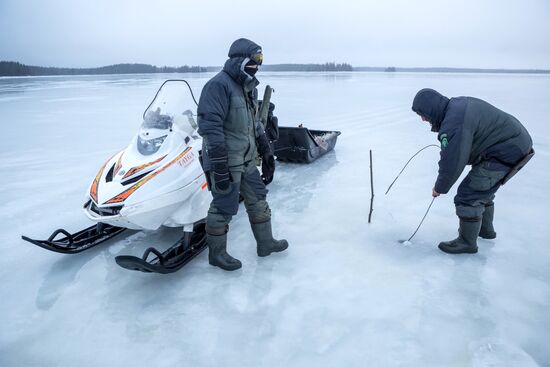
[(301, 145)]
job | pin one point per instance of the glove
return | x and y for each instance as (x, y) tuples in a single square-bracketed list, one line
[(268, 168), (219, 173)]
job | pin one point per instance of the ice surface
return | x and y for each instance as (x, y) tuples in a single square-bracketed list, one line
[(346, 293)]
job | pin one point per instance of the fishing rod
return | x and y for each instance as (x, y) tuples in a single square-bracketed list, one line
[(406, 164), (408, 242)]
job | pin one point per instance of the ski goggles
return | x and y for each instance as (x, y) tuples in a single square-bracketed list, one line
[(258, 58)]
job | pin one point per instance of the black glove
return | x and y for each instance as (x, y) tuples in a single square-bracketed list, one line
[(268, 168), (219, 172)]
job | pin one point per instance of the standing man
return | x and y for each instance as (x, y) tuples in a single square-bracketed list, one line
[(232, 137), (473, 132)]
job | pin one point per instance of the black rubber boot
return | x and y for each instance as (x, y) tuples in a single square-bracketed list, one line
[(466, 242), (217, 250), (265, 241), (487, 230)]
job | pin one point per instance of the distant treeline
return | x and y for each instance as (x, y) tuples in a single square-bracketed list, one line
[(10, 68), (328, 66), (392, 69)]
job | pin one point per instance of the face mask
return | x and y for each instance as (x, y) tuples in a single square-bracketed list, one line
[(251, 71)]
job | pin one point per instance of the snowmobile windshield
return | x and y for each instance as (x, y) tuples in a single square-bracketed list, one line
[(155, 120), (174, 104)]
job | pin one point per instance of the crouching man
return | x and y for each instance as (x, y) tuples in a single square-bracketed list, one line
[(232, 138), (473, 132)]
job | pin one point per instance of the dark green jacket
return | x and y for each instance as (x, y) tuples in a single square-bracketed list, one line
[(470, 131), (227, 112)]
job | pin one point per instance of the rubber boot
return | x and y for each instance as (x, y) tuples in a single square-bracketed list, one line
[(466, 242), (487, 230), (266, 244), (217, 250)]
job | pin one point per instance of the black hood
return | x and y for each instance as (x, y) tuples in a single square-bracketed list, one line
[(243, 48), (432, 105), (239, 54)]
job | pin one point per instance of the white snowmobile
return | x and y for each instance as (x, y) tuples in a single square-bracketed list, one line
[(156, 181)]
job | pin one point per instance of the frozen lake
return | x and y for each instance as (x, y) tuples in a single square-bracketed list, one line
[(346, 293)]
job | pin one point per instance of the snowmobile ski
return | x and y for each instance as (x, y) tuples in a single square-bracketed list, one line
[(171, 260), (79, 241)]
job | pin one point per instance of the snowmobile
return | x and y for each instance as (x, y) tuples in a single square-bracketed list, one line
[(157, 180)]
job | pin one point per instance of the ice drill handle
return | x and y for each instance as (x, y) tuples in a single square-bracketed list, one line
[(264, 111)]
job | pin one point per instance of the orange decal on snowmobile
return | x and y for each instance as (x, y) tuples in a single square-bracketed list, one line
[(93, 189), (125, 194), (139, 168)]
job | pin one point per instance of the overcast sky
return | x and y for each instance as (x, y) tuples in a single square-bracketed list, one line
[(466, 33)]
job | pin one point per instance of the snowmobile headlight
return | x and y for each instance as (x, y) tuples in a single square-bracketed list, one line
[(151, 146)]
